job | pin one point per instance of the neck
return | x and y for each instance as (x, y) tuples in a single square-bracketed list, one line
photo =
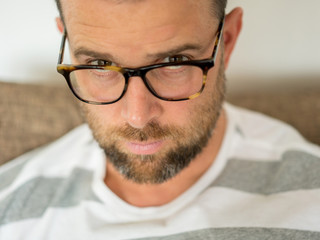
[(147, 195)]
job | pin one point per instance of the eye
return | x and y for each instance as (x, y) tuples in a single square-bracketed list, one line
[(175, 59), (100, 62)]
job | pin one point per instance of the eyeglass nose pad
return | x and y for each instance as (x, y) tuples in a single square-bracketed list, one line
[(134, 73)]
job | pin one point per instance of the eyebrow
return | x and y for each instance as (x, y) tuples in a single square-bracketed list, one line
[(177, 50), (82, 51)]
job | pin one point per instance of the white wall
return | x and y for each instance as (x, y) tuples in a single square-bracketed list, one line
[(280, 39), (29, 40)]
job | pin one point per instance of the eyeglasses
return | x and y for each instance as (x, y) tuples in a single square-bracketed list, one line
[(172, 81)]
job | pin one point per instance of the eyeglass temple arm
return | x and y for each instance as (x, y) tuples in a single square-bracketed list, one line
[(218, 39), (63, 42)]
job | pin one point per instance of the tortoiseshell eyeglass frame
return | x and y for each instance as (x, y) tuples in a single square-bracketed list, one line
[(204, 64)]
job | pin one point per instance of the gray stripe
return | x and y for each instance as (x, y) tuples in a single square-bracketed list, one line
[(296, 170), (241, 234), (33, 198)]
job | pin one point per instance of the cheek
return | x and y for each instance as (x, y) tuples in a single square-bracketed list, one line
[(180, 113), (192, 110), (103, 115), (211, 81)]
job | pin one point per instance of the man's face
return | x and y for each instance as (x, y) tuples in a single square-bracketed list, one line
[(148, 140)]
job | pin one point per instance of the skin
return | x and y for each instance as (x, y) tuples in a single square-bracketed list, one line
[(137, 33)]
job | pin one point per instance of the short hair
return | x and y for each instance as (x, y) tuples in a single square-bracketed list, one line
[(217, 10)]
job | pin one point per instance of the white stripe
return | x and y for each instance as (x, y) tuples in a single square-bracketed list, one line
[(219, 208)]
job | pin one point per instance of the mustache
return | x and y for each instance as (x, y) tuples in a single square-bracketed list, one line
[(152, 130)]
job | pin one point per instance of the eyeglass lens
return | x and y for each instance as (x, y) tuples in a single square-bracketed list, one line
[(171, 82)]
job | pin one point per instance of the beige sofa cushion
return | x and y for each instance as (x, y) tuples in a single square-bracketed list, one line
[(33, 115)]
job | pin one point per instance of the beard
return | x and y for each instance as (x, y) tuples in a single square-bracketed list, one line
[(187, 142)]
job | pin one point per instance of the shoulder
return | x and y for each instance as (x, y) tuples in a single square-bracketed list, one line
[(258, 126), (269, 156), (57, 175), (262, 136), (57, 159)]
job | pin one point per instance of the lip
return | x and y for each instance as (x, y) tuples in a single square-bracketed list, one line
[(144, 148)]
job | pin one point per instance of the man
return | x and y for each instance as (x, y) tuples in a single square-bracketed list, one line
[(170, 159)]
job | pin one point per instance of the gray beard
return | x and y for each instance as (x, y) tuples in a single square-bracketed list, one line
[(162, 170), (146, 169)]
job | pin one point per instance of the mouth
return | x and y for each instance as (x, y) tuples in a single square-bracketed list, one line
[(144, 148)]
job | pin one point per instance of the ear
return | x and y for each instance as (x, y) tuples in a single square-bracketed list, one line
[(232, 28), (60, 24)]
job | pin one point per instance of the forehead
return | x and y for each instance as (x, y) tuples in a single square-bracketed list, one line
[(132, 24), (115, 11)]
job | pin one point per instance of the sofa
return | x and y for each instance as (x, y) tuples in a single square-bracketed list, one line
[(32, 115)]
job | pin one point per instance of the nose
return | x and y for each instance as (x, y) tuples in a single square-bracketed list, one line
[(139, 106)]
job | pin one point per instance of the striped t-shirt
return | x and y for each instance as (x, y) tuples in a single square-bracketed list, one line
[(263, 184)]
